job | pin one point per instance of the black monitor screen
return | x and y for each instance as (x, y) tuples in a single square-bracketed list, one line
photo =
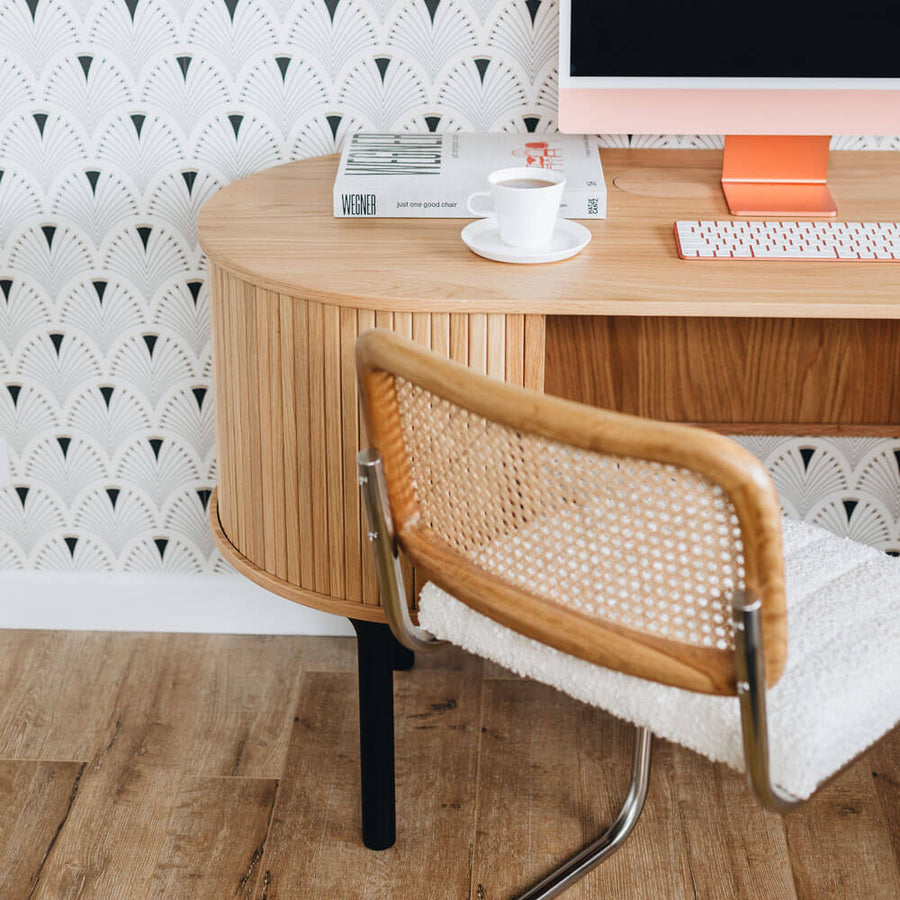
[(763, 38)]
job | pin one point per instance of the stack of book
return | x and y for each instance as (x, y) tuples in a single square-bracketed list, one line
[(432, 175)]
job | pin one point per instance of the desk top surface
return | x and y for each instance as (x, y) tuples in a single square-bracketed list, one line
[(276, 230)]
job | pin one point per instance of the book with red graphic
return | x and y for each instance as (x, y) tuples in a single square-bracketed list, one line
[(431, 175)]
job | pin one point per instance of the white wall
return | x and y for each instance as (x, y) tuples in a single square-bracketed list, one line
[(213, 604)]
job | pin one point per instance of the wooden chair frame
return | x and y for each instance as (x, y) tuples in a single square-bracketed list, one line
[(758, 610), (382, 356)]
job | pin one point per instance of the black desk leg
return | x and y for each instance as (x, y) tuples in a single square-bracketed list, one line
[(404, 658), (375, 655)]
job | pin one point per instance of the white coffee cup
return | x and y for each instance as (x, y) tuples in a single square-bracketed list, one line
[(525, 201)]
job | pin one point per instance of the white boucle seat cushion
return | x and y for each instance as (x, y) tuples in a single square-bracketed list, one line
[(839, 693)]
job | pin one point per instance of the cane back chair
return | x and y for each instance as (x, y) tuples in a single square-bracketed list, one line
[(608, 541)]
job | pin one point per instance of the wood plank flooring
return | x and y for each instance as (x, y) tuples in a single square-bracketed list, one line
[(207, 767)]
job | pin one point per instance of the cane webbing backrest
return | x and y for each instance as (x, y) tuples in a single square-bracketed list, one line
[(642, 553), (641, 544)]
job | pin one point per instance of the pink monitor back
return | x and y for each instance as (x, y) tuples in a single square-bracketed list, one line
[(630, 104), (672, 110)]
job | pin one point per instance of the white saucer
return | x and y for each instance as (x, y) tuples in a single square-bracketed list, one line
[(483, 237)]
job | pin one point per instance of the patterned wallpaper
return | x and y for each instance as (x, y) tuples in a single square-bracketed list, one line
[(118, 119)]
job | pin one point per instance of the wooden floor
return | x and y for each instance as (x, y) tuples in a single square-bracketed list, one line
[(191, 767)]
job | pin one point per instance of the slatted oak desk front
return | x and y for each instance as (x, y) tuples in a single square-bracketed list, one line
[(746, 347)]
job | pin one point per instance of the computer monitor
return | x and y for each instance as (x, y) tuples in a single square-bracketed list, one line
[(777, 78)]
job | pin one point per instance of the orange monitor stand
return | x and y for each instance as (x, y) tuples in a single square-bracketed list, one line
[(777, 175)]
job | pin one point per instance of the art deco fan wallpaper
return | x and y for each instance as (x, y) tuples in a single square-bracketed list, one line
[(118, 120)]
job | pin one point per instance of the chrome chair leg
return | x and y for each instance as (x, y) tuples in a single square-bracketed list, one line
[(387, 557), (613, 838), (751, 689)]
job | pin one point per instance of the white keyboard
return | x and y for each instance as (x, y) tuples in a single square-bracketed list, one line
[(838, 241)]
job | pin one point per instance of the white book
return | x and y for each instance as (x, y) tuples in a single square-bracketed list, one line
[(432, 175)]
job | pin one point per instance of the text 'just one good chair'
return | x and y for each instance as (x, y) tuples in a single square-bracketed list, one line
[(636, 565)]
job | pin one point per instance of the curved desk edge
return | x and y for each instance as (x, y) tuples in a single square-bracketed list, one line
[(236, 559)]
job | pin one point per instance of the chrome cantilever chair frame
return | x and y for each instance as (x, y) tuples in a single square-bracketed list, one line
[(751, 687), (383, 539)]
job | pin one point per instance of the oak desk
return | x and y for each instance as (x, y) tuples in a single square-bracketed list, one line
[(746, 347), (771, 347)]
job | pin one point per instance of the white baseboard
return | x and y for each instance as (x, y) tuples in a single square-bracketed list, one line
[(210, 604)]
